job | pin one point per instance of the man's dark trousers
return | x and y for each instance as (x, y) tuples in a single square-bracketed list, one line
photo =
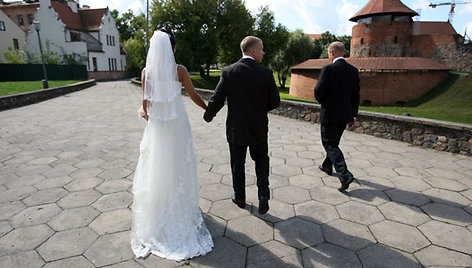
[(259, 153), (330, 137)]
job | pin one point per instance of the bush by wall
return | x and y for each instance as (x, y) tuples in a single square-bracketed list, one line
[(34, 72)]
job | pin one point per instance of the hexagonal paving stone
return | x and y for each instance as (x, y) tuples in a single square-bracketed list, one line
[(348, 234), (447, 197), (444, 173), (227, 210), (262, 253), (278, 211), (449, 214), (86, 173), (359, 212), (75, 262), (448, 236), (407, 197), (216, 192), (112, 221), (16, 194), (412, 172), (23, 239), (89, 163), (384, 162), (328, 195), (299, 162), (28, 259), (113, 201), (4, 228), (277, 181), (368, 195), (404, 213), (79, 199), (316, 212), (67, 244), (441, 257), (45, 196), (7, 210), (223, 169), (42, 161), (298, 233), (207, 178), (379, 255), (249, 231), (305, 181), (35, 215), (83, 184), (225, 253), (33, 170), (291, 194), (381, 172), (113, 186), (73, 218), (327, 255), (410, 184), (53, 182), (215, 225), (110, 249), (57, 171), (445, 184), (286, 170), (115, 173), (399, 236), (24, 181)]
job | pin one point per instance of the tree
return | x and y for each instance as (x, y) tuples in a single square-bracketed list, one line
[(14, 56), (135, 54), (194, 24), (320, 45), (128, 24), (298, 49), (234, 22), (274, 37)]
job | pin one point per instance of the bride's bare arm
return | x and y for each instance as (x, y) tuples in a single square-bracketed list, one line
[(184, 78), (143, 81)]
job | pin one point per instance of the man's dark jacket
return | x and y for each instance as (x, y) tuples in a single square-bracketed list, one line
[(337, 91), (250, 91)]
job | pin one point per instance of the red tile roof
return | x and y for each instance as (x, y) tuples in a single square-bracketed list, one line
[(380, 63), (432, 27), (377, 7), (314, 36), (84, 20)]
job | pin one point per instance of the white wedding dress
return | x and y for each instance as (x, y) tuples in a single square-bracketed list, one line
[(167, 221)]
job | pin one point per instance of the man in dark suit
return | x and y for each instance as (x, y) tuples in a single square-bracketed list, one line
[(250, 91), (337, 91)]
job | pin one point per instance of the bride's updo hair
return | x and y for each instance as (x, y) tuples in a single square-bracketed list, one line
[(173, 41)]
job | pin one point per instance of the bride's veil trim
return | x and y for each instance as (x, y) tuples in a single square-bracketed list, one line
[(161, 86)]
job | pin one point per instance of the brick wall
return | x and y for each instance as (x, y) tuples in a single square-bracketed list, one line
[(106, 75), (379, 88)]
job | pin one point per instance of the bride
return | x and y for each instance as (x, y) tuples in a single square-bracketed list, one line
[(166, 217)]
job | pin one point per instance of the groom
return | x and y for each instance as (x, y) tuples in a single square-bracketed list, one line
[(250, 91)]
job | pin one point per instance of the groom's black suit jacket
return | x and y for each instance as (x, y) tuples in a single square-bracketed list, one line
[(250, 91)]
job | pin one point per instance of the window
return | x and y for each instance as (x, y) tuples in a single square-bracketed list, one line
[(30, 19), (395, 40), (108, 43), (116, 66), (74, 36), (109, 64), (15, 43), (2, 25), (113, 38), (362, 41), (94, 60), (20, 19)]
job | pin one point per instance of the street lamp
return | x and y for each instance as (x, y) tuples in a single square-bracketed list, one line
[(37, 27)]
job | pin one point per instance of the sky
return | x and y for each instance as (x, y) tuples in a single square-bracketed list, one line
[(322, 15)]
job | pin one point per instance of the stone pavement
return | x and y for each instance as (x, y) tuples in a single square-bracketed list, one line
[(66, 170)]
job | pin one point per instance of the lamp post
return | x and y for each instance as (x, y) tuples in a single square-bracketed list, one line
[(37, 27), (147, 27)]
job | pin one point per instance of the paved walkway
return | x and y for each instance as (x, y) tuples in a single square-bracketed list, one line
[(66, 170)]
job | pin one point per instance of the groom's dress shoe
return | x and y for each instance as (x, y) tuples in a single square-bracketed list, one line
[(263, 204), (345, 184), (326, 170), (238, 202)]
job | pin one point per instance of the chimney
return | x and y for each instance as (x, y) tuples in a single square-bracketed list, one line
[(85, 7), (73, 5)]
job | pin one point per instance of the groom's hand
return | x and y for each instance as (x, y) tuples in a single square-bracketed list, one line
[(207, 117)]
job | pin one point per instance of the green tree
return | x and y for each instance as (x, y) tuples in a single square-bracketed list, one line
[(14, 56), (274, 37), (194, 24), (128, 24), (298, 49), (322, 43), (234, 22), (135, 54)]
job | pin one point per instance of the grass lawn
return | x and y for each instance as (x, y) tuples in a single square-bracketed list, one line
[(449, 101), (10, 88)]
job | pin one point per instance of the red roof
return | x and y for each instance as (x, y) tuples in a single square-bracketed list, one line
[(432, 27), (377, 7), (314, 36), (380, 63), (84, 20)]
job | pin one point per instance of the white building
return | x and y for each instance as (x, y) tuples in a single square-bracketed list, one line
[(88, 34), (11, 36)]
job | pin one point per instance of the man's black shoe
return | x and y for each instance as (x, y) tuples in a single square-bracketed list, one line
[(239, 203), (326, 170), (345, 184), (263, 204)]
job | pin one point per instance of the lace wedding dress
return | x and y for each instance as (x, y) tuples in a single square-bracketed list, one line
[(167, 221)]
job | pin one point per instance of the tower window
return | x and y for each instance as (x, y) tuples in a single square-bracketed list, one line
[(395, 40), (20, 19), (362, 41)]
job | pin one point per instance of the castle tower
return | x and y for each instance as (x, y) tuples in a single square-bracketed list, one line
[(383, 29)]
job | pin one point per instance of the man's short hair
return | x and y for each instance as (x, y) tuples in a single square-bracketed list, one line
[(249, 42), (336, 46)]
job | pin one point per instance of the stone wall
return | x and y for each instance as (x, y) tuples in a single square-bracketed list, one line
[(457, 55), (428, 133), (107, 75)]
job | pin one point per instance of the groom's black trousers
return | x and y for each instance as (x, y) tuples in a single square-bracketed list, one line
[(258, 153)]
